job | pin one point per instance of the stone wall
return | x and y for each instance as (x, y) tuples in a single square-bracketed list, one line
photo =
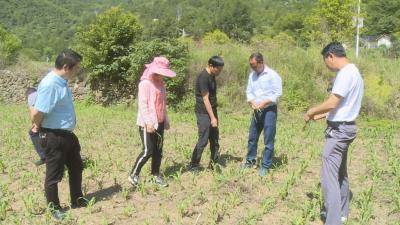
[(14, 84)]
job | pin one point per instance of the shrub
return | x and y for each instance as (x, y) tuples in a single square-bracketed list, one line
[(9, 47), (216, 37), (260, 39), (115, 55), (104, 45), (284, 40)]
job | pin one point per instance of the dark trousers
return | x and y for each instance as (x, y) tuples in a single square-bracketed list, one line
[(262, 120), (36, 144), (61, 148), (152, 147), (206, 133)]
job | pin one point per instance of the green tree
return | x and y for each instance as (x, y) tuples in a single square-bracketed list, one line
[(115, 55), (216, 37), (330, 20), (104, 45), (292, 24), (383, 16), (9, 47), (235, 20)]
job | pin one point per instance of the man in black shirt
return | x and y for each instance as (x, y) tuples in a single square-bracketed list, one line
[(206, 112)]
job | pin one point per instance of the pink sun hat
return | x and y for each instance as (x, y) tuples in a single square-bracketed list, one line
[(160, 65)]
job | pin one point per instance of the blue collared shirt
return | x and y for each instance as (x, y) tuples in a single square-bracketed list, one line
[(266, 85), (54, 100)]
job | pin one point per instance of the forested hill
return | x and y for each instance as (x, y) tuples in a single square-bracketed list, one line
[(46, 26)]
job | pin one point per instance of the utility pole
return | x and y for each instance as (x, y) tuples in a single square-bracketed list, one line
[(358, 25), (178, 19)]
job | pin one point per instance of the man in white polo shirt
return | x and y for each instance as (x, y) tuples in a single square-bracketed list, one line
[(342, 109)]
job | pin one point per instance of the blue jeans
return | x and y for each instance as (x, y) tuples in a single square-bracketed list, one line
[(263, 120), (36, 143)]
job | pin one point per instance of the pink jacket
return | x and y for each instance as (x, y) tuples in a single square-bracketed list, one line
[(147, 113)]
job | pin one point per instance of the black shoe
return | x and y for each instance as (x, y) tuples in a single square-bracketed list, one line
[(58, 213), (80, 202), (40, 162), (248, 164), (194, 169), (322, 216)]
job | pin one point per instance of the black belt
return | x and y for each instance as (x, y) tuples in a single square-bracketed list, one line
[(271, 107), (59, 131), (338, 123)]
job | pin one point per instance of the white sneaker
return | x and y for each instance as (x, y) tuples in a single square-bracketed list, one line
[(160, 181), (134, 180)]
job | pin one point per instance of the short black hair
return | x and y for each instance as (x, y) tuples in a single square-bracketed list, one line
[(257, 56), (334, 48), (67, 57), (216, 61)]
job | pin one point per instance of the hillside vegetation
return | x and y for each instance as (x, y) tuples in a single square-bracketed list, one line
[(47, 26)]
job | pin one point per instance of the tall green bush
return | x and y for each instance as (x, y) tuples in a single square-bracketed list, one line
[(115, 55), (216, 37), (105, 44), (9, 47)]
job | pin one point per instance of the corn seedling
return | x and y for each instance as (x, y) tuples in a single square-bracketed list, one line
[(268, 204), (90, 205), (125, 193), (31, 206), (4, 207), (364, 204)]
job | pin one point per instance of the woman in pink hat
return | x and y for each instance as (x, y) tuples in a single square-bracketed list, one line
[(152, 118)]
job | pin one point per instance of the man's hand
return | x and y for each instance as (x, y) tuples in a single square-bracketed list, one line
[(320, 116), (320, 111), (36, 117), (254, 105), (150, 128), (263, 105), (214, 122), (35, 128), (207, 104), (308, 116)]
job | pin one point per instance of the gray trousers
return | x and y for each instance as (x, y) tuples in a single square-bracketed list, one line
[(334, 178)]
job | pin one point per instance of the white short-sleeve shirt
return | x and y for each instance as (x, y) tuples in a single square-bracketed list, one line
[(349, 85)]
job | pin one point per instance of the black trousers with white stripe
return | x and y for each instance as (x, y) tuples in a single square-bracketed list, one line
[(152, 147)]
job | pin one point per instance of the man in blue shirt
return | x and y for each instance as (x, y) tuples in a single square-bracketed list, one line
[(54, 115), (264, 87), (341, 109)]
